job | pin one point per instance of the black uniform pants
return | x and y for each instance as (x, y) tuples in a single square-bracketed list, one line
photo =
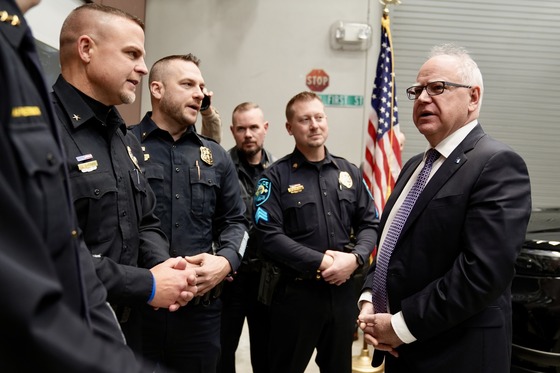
[(311, 314), (239, 299), (187, 340)]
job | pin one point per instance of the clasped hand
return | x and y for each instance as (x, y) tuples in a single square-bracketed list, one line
[(210, 270), (337, 267), (175, 284)]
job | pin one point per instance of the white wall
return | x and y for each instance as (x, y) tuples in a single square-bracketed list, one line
[(261, 50), (46, 19)]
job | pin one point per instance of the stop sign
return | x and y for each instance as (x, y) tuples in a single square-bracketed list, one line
[(317, 80)]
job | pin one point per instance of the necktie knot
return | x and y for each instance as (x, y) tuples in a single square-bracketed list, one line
[(431, 156)]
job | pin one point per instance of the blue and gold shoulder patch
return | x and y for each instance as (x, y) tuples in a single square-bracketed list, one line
[(263, 191)]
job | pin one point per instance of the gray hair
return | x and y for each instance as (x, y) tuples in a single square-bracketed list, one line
[(468, 69)]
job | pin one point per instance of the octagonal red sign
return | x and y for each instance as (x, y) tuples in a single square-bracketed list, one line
[(317, 80)]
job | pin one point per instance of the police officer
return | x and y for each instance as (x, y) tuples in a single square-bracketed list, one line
[(240, 296), (102, 62), (307, 206), (54, 317), (199, 204)]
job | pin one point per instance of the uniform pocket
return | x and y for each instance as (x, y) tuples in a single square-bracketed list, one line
[(44, 190), (36, 147), (95, 198), (300, 216), (203, 191), (347, 203)]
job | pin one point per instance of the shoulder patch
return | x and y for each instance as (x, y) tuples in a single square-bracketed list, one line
[(263, 191)]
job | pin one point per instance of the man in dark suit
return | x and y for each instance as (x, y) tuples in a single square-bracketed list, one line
[(437, 297)]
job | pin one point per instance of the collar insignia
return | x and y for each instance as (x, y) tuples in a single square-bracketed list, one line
[(11, 19)]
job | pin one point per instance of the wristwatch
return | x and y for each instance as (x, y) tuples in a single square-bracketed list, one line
[(359, 259)]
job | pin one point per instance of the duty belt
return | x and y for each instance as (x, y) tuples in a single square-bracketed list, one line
[(208, 297), (309, 276)]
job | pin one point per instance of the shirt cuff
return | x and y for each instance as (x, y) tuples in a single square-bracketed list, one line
[(400, 328), (152, 295), (364, 297)]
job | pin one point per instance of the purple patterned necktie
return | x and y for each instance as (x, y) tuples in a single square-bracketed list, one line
[(380, 275)]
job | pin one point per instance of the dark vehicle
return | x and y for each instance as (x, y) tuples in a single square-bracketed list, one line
[(536, 297)]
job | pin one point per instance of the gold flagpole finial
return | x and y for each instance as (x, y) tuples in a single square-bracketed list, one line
[(386, 3)]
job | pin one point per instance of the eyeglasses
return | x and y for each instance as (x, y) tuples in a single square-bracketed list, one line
[(433, 89), (307, 119)]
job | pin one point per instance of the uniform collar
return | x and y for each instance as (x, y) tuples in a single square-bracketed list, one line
[(298, 159), (149, 128), (80, 108)]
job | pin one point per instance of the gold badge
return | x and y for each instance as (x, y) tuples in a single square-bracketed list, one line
[(345, 179), (206, 155), (295, 188), (133, 157)]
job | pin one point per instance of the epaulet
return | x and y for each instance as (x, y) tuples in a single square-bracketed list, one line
[(206, 138), (8, 18)]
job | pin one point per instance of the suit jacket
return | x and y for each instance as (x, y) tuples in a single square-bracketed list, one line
[(451, 269)]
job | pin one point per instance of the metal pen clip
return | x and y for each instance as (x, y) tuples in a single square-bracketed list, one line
[(137, 176), (198, 169)]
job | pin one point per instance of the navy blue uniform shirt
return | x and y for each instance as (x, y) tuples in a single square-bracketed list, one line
[(114, 204), (198, 196), (303, 209)]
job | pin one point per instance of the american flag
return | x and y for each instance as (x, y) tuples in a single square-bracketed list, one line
[(383, 154)]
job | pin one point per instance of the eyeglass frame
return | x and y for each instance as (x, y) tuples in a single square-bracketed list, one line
[(413, 95)]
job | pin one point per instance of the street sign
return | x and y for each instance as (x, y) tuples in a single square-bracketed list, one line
[(317, 80), (342, 100)]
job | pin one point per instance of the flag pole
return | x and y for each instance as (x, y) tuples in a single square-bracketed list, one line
[(386, 4), (362, 362), (382, 160), (386, 23)]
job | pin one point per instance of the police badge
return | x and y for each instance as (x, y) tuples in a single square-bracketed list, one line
[(345, 179), (206, 155), (133, 158)]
